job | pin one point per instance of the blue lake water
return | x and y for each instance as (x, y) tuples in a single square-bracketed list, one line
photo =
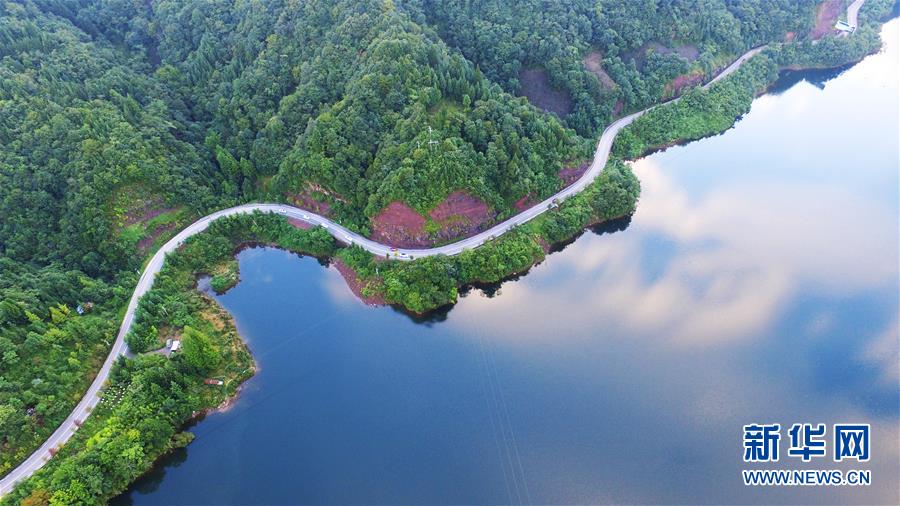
[(757, 282)]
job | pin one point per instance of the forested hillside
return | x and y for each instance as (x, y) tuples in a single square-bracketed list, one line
[(358, 104), (123, 120), (643, 45), (80, 120)]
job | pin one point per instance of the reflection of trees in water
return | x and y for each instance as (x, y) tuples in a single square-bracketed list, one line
[(606, 227), (428, 319), (612, 226), (491, 290), (817, 77), (151, 480)]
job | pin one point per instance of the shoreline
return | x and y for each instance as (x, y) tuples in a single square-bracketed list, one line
[(549, 250)]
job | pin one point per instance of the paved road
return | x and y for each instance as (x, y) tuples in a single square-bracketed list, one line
[(853, 12), (91, 397), (601, 156)]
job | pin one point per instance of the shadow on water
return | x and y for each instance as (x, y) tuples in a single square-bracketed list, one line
[(488, 290), (150, 481), (611, 226), (606, 227), (428, 319), (816, 77), (491, 290)]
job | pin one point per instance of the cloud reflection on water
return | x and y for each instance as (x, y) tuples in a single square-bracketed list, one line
[(740, 255)]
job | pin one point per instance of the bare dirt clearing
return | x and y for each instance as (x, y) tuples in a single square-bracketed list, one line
[(571, 174), (537, 89), (680, 83), (307, 200), (458, 215), (826, 16), (399, 225), (593, 61), (689, 52)]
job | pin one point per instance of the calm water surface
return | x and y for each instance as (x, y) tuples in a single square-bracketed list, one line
[(757, 282)]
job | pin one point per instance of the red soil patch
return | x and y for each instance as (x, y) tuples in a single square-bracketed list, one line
[(571, 174), (458, 215), (355, 284), (826, 16), (399, 225), (790, 36), (537, 88), (297, 223), (593, 61), (525, 202), (617, 109), (306, 200), (460, 204), (675, 86)]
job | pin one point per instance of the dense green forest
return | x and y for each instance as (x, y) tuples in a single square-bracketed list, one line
[(205, 104), (122, 120), (636, 39), (48, 352)]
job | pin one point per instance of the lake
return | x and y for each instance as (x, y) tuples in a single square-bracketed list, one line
[(757, 282)]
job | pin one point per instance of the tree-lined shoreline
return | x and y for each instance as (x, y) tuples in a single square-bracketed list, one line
[(418, 286)]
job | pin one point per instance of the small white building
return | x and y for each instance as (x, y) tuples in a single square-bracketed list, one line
[(845, 27), (175, 345)]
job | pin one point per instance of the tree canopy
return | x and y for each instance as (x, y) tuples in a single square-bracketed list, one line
[(122, 120)]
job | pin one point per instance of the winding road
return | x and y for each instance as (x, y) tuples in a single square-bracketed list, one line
[(853, 12), (92, 397)]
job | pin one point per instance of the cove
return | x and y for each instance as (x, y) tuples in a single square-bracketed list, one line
[(757, 282)]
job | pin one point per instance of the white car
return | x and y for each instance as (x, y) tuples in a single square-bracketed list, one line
[(305, 216)]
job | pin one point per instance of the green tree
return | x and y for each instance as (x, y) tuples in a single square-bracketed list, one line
[(198, 350)]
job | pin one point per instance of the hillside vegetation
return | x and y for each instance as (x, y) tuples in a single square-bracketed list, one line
[(121, 121)]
